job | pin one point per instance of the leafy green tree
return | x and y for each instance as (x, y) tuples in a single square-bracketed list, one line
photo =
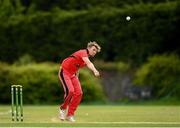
[(161, 72), (6, 8)]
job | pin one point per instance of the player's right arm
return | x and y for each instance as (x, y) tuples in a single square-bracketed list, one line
[(90, 65)]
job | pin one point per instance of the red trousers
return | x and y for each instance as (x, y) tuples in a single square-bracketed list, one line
[(72, 91)]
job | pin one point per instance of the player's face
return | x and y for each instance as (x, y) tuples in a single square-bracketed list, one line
[(92, 51)]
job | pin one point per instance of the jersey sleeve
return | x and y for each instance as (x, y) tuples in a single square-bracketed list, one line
[(83, 53)]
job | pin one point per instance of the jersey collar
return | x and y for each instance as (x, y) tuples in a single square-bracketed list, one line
[(87, 52)]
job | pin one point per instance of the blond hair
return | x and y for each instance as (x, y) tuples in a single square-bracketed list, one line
[(93, 43)]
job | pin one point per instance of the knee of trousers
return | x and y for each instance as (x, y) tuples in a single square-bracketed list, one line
[(71, 92), (79, 94)]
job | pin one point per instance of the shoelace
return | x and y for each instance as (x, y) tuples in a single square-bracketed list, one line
[(63, 111)]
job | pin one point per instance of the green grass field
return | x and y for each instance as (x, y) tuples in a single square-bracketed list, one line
[(96, 116)]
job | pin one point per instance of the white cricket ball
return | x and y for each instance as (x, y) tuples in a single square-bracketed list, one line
[(87, 114), (128, 18)]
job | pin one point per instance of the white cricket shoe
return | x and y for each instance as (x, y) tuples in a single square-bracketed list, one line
[(62, 114), (70, 118)]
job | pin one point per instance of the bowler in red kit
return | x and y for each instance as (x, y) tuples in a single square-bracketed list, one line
[(68, 75)]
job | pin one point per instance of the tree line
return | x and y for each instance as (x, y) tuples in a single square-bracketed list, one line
[(51, 36)]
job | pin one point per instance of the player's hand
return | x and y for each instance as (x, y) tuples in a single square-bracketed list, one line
[(96, 73)]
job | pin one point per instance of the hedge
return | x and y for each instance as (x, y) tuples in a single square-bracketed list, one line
[(161, 73), (41, 84)]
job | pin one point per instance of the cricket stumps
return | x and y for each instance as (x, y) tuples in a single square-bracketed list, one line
[(17, 102)]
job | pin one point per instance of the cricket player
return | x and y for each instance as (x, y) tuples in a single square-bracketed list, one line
[(68, 75)]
